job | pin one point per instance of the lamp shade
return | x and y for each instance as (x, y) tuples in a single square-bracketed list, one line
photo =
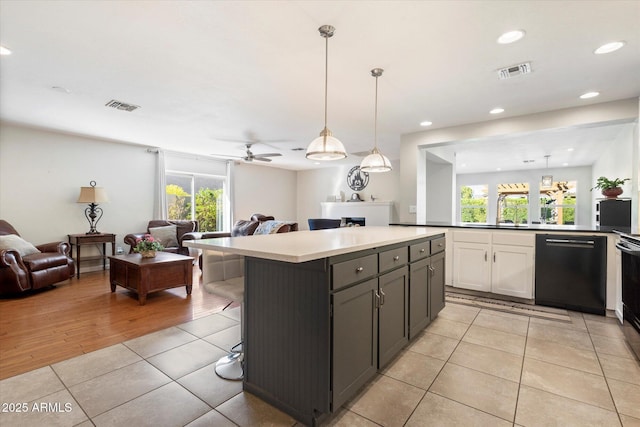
[(92, 195), (326, 147), (375, 162)]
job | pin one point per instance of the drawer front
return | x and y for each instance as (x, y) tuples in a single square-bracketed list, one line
[(347, 272), (438, 245), (515, 238), (419, 250), (472, 236), (393, 258)]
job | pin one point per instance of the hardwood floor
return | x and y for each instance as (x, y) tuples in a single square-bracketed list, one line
[(82, 315)]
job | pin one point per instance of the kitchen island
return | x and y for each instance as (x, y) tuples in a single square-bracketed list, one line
[(325, 310)]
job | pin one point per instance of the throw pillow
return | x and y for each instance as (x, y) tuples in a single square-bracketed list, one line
[(16, 243), (165, 235)]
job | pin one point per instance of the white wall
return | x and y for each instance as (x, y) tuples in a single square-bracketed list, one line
[(41, 174), (265, 190), (318, 185), (615, 163), (412, 172)]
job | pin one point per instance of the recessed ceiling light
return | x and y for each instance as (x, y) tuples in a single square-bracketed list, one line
[(498, 169), (589, 95), (510, 37), (497, 111), (426, 123), (608, 48), (464, 165), (316, 163), (570, 149), (5, 50), (565, 164), (61, 89)]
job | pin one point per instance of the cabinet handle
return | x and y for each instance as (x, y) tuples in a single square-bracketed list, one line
[(422, 250), (432, 270), (376, 300), (494, 257), (382, 295), (396, 258), (359, 269), (485, 255)]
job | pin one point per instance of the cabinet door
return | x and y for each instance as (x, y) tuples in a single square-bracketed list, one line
[(512, 271), (355, 339), (418, 297), (471, 268), (436, 284), (393, 332)]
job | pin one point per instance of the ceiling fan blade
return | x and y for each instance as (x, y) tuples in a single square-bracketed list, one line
[(268, 154), (262, 159)]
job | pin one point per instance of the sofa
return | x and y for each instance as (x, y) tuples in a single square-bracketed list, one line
[(25, 267), (171, 234), (257, 224)]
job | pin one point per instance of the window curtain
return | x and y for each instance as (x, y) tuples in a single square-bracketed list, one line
[(160, 208)]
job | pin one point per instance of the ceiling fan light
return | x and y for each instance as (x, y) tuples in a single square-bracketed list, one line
[(326, 147), (375, 162)]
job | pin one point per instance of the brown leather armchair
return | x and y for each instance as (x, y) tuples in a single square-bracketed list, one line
[(184, 230), (18, 273)]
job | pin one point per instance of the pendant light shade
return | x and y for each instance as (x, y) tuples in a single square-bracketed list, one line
[(376, 161), (547, 180), (326, 146)]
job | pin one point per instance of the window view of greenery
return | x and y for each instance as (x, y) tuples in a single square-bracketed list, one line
[(513, 203), (196, 197), (558, 203), (473, 203)]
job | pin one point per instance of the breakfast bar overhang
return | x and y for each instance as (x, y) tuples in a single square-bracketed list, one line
[(325, 310)]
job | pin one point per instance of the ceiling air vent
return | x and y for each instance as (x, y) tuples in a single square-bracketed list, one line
[(514, 70), (118, 105)]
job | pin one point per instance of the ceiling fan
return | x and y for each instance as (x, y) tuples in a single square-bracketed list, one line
[(250, 156)]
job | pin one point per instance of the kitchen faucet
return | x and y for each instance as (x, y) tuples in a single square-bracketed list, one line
[(501, 198)]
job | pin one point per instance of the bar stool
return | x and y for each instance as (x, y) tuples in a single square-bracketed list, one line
[(222, 275)]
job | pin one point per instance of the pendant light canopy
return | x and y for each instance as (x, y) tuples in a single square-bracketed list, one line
[(376, 161), (547, 180), (326, 146)]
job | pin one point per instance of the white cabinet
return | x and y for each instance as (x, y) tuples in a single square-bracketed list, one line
[(494, 261)]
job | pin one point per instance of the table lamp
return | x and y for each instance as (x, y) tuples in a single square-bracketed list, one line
[(93, 195)]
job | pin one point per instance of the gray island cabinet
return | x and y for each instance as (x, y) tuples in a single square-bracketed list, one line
[(326, 309)]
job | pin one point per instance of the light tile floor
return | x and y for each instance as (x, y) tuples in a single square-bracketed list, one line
[(471, 367)]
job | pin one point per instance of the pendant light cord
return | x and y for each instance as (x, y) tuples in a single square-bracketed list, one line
[(326, 78), (375, 119)]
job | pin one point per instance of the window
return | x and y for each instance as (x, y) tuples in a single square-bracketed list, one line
[(473, 203), (198, 197), (558, 203), (513, 203)]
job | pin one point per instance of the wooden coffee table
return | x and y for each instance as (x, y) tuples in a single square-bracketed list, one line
[(146, 275)]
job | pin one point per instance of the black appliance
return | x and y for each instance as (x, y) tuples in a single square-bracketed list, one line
[(571, 272), (629, 247), (614, 213)]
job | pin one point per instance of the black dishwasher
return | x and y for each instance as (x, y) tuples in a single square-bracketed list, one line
[(571, 272)]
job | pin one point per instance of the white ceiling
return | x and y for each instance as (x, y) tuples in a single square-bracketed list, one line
[(208, 74)]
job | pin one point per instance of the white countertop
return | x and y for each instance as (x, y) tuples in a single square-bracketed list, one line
[(302, 246)]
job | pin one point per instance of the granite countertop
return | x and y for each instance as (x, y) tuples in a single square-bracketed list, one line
[(521, 227), (306, 245)]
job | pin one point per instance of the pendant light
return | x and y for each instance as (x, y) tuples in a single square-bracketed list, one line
[(547, 180), (376, 161), (326, 146)]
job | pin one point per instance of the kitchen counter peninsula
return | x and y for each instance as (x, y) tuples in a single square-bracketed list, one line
[(520, 227), (325, 310)]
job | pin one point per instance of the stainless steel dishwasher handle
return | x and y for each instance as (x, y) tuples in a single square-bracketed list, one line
[(571, 242)]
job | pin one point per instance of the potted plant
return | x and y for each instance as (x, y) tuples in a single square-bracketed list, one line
[(147, 246), (610, 187)]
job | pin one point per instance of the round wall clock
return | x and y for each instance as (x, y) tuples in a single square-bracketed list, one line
[(357, 179)]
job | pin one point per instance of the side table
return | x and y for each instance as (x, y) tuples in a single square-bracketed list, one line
[(78, 240)]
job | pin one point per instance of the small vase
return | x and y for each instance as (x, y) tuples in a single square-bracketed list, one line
[(612, 193), (148, 254)]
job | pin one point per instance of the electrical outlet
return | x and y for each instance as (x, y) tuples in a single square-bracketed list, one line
[(412, 208), (119, 250)]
